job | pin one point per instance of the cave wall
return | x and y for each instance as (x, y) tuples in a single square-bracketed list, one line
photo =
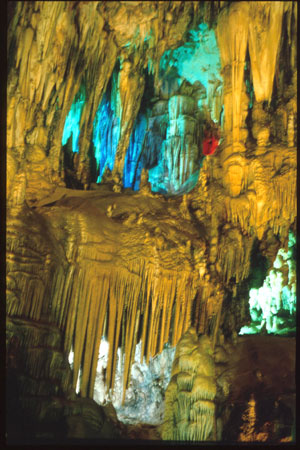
[(92, 259)]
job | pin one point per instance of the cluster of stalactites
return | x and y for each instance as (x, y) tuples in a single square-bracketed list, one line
[(143, 302), (256, 26), (57, 49), (54, 48), (127, 306), (234, 254), (267, 197)]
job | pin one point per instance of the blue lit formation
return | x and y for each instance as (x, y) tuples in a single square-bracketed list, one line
[(201, 61), (72, 123), (171, 170), (273, 306), (133, 160), (196, 60), (106, 128)]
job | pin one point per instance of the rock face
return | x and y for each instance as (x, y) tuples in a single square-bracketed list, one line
[(118, 228), (41, 402), (260, 392)]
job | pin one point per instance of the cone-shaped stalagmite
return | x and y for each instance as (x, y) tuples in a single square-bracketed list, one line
[(190, 408)]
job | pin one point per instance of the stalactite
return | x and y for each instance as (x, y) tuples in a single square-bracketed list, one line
[(131, 314), (120, 296), (28, 38), (265, 20), (232, 35), (183, 304), (66, 298), (151, 331), (81, 328), (167, 302), (112, 313), (155, 330), (145, 319), (57, 294), (238, 212), (126, 285), (72, 311), (90, 338), (171, 298), (100, 323), (234, 255), (77, 308), (284, 187), (175, 324)]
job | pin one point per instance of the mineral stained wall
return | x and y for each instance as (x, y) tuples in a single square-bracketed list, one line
[(118, 227)]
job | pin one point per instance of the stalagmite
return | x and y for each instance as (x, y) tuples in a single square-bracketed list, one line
[(190, 407)]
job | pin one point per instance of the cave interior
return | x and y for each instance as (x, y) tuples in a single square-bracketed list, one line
[(151, 224)]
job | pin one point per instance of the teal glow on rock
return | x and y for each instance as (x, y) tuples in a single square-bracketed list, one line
[(72, 123), (133, 162), (197, 60), (273, 305)]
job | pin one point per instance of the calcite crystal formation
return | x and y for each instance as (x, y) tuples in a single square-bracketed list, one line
[(190, 407), (118, 228)]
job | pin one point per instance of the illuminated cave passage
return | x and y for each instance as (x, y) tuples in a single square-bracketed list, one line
[(151, 221)]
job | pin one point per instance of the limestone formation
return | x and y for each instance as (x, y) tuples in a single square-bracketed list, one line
[(121, 230), (190, 408)]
